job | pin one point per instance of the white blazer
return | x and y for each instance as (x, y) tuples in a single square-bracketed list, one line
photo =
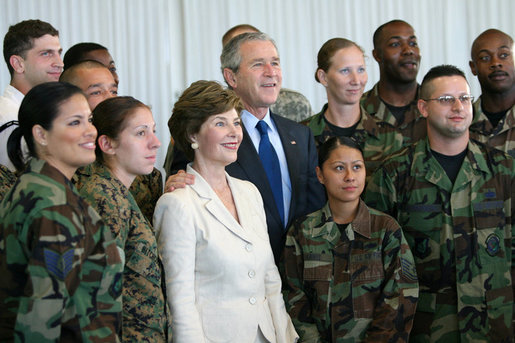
[(221, 279)]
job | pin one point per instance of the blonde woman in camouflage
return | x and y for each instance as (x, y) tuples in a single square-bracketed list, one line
[(349, 274), (61, 270), (127, 147), (342, 72)]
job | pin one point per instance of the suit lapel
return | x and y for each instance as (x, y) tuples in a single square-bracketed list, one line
[(215, 206), (291, 150)]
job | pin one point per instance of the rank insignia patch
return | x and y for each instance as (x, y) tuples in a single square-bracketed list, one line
[(57, 264)]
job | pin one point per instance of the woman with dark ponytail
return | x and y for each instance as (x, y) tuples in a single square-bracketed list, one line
[(61, 270)]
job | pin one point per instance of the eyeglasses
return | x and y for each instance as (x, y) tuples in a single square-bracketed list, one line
[(449, 100)]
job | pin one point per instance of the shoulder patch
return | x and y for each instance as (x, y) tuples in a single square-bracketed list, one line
[(57, 264)]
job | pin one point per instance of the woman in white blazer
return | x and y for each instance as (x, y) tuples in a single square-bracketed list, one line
[(222, 282)]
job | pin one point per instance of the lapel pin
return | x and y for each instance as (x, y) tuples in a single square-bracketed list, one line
[(293, 142)]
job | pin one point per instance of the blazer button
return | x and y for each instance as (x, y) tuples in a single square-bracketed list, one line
[(252, 274), (248, 247), (252, 300)]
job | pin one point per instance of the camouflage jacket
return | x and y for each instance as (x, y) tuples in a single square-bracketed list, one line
[(501, 137), (61, 270), (349, 286), (292, 105), (376, 140), (462, 238), (144, 314), (7, 179), (146, 189), (412, 129)]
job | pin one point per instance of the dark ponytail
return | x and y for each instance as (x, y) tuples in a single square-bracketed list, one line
[(14, 150)]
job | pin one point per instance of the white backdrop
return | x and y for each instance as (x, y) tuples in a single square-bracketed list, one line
[(161, 46)]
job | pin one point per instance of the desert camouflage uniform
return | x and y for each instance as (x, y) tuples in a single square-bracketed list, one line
[(462, 238), (146, 189), (144, 314), (292, 105), (354, 285), (376, 141), (7, 179), (61, 273), (501, 137), (412, 129)]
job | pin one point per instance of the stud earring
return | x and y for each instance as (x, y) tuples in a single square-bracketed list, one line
[(194, 145)]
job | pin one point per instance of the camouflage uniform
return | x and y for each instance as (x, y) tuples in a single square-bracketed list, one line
[(144, 314), (292, 105), (375, 140), (412, 129), (352, 285), (61, 270), (7, 179), (501, 137), (146, 189), (461, 236)]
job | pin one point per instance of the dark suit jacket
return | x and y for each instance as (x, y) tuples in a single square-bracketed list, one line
[(307, 194)]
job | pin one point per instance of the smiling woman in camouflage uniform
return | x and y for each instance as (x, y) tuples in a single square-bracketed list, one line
[(127, 147), (349, 274), (61, 270)]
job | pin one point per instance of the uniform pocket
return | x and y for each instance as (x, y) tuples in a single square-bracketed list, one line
[(318, 273), (367, 276), (146, 266)]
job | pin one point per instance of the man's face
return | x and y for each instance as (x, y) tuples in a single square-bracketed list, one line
[(43, 62), (104, 57), (447, 120), (98, 84), (258, 80), (398, 54), (492, 62)]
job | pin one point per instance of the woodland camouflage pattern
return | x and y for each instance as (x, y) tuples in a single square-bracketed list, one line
[(412, 129), (292, 105), (144, 313), (501, 137), (376, 141), (462, 238), (146, 189), (7, 179), (61, 270), (373, 299)]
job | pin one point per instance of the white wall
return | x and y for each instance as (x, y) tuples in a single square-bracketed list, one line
[(161, 46)]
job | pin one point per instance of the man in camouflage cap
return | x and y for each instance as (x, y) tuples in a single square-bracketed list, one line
[(453, 200), (494, 112), (393, 100)]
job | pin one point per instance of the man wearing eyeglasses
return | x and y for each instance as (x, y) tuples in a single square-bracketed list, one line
[(494, 112), (453, 199)]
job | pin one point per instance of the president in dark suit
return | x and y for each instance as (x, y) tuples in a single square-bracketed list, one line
[(251, 67)]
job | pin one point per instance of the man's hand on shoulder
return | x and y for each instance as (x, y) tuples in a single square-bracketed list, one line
[(179, 180)]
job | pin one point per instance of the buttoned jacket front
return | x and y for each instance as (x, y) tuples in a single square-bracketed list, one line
[(222, 282)]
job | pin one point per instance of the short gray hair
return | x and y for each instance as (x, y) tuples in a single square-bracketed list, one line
[(231, 57)]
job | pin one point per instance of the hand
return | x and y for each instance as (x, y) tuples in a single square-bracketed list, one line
[(179, 180)]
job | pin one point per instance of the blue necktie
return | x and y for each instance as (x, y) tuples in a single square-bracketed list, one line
[(270, 162)]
